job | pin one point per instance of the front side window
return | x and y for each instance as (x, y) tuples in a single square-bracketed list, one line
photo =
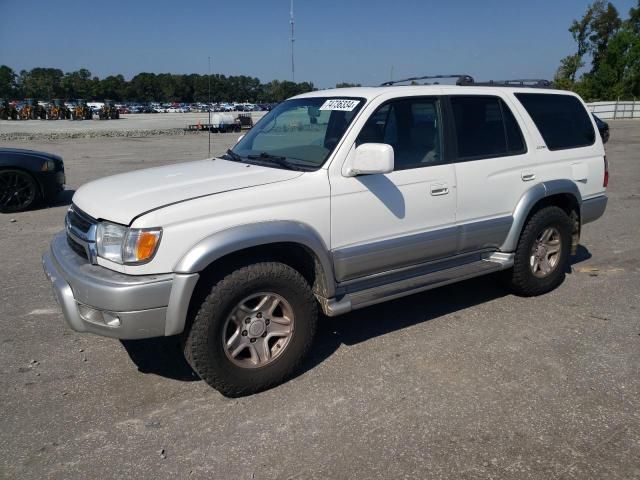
[(562, 120), (298, 133), (485, 128), (411, 126)]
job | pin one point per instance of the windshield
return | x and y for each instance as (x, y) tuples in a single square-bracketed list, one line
[(298, 133)]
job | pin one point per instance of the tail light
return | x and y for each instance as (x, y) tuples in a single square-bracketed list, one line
[(605, 182)]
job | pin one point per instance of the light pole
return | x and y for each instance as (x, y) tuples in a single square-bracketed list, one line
[(209, 107), (293, 39)]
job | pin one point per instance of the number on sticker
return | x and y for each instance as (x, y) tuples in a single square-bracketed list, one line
[(343, 105)]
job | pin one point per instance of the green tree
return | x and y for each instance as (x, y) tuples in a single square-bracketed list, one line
[(41, 83), (8, 84)]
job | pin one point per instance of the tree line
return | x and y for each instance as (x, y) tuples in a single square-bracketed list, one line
[(607, 53), (48, 83)]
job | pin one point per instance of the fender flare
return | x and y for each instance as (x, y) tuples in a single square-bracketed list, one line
[(234, 239), (528, 201)]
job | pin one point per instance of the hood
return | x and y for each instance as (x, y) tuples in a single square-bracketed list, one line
[(121, 198)]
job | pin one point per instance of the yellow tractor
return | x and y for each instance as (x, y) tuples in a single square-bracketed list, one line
[(82, 111), (108, 111), (7, 111), (32, 110), (57, 110)]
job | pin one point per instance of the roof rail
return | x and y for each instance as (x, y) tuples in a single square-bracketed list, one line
[(525, 82), (462, 79)]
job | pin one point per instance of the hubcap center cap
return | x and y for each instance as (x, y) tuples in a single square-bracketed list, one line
[(257, 327)]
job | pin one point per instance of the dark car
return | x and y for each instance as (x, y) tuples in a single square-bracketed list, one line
[(603, 128), (28, 177)]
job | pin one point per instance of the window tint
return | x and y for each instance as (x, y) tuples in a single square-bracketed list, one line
[(411, 126), (562, 120), (485, 127)]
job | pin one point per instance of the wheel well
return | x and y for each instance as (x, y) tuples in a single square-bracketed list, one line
[(297, 256), (567, 202)]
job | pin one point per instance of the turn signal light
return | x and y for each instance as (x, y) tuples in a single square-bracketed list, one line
[(146, 245)]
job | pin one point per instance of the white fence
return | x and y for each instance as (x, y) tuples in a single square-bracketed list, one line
[(615, 110)]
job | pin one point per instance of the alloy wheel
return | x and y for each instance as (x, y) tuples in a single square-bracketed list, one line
[(258, 330)]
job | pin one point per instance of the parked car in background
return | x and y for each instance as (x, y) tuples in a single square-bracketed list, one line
[(28, 177), (603, 128)]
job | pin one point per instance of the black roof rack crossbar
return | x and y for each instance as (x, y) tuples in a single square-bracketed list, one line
[(462, 79), (524, 82)]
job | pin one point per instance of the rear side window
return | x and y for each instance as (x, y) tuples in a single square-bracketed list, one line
[(485, 128), (562, 120)]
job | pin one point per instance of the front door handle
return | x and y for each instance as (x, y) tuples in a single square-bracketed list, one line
[(527, 176), (439, 189)]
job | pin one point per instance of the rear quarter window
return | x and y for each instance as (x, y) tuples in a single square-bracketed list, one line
[(562, 120)]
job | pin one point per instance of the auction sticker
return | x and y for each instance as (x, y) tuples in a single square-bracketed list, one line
[(340, 104)]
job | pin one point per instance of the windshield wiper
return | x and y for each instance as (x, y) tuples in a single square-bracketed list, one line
[(234, 156), (277, 159)]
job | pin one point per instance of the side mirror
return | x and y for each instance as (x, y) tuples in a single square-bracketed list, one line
[(370, 159)]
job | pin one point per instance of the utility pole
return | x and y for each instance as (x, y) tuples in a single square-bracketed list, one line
[(209, 107), (292, 39)]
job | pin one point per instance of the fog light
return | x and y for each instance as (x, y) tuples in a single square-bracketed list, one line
[(111, 319), (94, 315)]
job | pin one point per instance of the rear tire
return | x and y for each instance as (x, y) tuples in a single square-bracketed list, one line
[(253, 329), (542, 255)]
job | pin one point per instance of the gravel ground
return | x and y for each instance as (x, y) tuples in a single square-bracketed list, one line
[(462, 382), (135, 125)]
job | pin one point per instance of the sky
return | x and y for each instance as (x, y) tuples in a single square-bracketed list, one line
[(364, 41)]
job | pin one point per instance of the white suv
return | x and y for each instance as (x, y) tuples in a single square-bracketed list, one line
[(335, 200)]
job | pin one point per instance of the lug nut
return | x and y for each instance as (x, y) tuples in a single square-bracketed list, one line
[(267, 321), (264, 334), (247, 320), (244, 333), (253, 340), (259, 315)]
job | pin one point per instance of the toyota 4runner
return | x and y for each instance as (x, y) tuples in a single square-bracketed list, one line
[(334, 201)]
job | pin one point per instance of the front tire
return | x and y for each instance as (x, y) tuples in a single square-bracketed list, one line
[(18, 191), (253, 329), (542, 255)]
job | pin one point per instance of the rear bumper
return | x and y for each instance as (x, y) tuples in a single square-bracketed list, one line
[(145, 306), (592, 209)]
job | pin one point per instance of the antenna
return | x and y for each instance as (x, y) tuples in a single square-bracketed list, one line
[(292, 39), (209, 107)]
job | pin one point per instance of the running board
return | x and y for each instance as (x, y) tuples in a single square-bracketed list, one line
[(354, 300)]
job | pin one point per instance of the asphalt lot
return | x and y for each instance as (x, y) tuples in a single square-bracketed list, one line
[(462, 382)]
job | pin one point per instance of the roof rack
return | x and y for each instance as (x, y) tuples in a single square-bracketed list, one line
[(468, 81), (462, 79), (525, 82)]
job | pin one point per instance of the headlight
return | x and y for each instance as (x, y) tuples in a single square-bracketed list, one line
[(123, 245)]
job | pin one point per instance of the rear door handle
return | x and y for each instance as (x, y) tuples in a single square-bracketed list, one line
[(527, 176), (439, 189)]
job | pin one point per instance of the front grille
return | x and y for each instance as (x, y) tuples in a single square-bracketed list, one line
[(80, 221), (76, 247), (81, 233)]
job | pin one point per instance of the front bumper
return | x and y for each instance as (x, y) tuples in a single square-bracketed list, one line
[(145, 305), (51, 183)]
